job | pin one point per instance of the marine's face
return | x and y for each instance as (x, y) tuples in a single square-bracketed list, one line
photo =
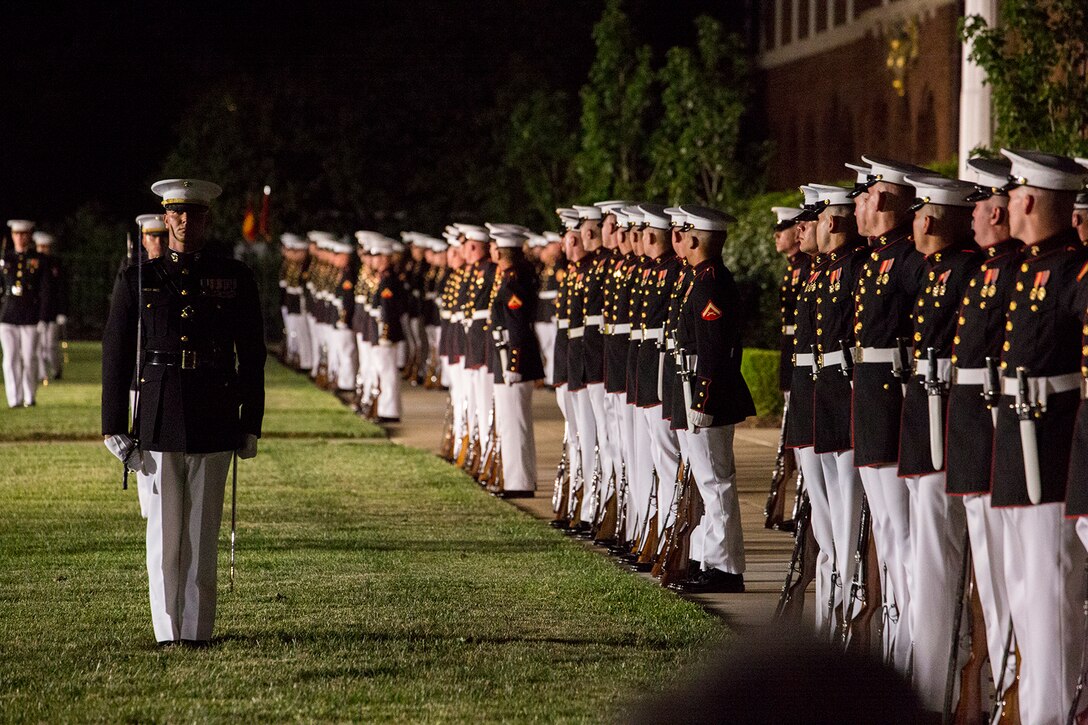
[(21, 240), (861, 205), (187, 223), (609, 230), (807, 235), (153, 243)]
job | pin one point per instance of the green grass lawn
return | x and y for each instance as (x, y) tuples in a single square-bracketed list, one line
[(374, 582)]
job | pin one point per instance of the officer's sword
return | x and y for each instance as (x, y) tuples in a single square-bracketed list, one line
[(135, 431), (1025, 413), (233, 513), (935, 391)]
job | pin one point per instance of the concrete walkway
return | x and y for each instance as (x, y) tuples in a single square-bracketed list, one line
[(768, 552)]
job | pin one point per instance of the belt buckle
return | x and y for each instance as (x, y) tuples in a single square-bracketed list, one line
[(818, 362), (188, 359), (1084, 388), (859, 354)]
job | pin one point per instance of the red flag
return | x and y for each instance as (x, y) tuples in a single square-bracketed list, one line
[(262, 224), (249, 222)]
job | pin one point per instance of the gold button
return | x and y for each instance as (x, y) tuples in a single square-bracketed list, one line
[(185, 338), (1019, 286), (885, 386), (962, 319), (972, 283), (1008, 326), (1024, 267), (1006, 346)]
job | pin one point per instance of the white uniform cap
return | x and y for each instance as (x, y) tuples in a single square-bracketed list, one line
[(410, 237), (990, 177), (151, 223), (569, 217), (537, 240), (634, 215), (653, 215), (437, 245), (829, 195), (610, 207), (473, 232), (321, 238), (811, 195), (21, 225), (677, 216), (43, 239), (1082, 201), (940, 191), (379, 245), (515, 228), (398, 247), (706, 219), (785, 213), (1045, 171), (621, 216), (863, 171), (509, 240), (186, 191), (588, 212), (892, 171), (341, 246), (553, 237)]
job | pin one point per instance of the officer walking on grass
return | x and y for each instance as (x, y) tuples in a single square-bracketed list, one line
[(200, 400)]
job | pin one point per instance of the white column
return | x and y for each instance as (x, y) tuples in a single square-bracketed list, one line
[(975, 124)]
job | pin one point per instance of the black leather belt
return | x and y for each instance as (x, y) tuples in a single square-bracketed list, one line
[(190, 359)]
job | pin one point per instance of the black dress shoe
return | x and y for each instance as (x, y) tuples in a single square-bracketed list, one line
[(713, 581), (559, 524), (579, 529), (195, 643), (642, 568), (515, 494), (168, 643), (387, 420)]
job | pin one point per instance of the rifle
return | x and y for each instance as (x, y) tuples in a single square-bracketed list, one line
[(858, 583), (774, 510), (578, 485), (322, 378), (446, 452), (463, 449), (969, 707), (675, 564), (485, 476), (672, 513), (648, 550), (561, 487), (134, 432), (957, 622), (860, 632), (622, 499), (802, 569), (372, 403)]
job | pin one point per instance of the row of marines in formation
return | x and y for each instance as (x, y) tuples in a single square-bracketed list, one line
[(629, 315), (935, 362), (33, 313), (935, 354)]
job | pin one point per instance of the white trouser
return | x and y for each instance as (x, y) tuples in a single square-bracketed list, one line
[(385, 370), (20, 348), (613, 414), (365, 375), (514, 426), (433, 332), (323, 334), (889, 504), (342, 346), (938, 526), (587, 442), (640, 477), (665, 452), (844, 494), (186, 507), (545, 334), (48, 350), (315, 344), (1044, 572), (710, 451), (298, 340), (988, 560), (483, 386), (401, 358), (574, 463), (824, 533), (626, 424), (456, 386), (607, 437)]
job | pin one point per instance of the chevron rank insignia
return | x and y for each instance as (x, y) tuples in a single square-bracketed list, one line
[(514, 303), (710, 312)]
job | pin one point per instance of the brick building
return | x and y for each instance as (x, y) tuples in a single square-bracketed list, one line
[(846, 77)]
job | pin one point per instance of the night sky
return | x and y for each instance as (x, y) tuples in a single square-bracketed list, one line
[(92, 97)]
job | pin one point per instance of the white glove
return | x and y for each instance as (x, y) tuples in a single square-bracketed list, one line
[(248, 449), (699, 420), (120, 445), (62, 319), (510, 378), (341, 325), (385, 343)]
